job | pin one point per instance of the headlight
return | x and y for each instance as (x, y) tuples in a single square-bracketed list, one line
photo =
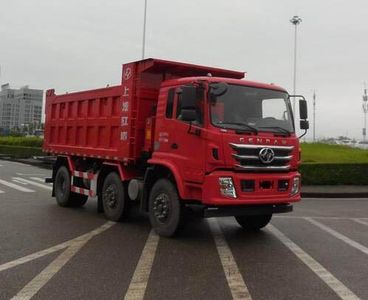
[(295, 186), (227, 188)]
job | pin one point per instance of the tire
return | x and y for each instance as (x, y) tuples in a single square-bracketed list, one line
[(64, 197), (62, 187), (253, 222), (165, 210), (114, 198)]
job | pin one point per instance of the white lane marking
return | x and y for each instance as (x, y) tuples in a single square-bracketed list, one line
[(38, 179), (138, 284), (336, 285), (1, 192), (41, 279), (16, 187), (360, 221), (21, 182), (339, 236), (33, 256), (44, 186), (31, 174), (234, 278)]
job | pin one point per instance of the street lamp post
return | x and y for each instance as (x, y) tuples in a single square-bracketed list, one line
[(365, 111), (314, 116), (295, 21), (144, 29)]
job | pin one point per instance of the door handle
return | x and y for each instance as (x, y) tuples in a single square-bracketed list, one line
[(174, 146)]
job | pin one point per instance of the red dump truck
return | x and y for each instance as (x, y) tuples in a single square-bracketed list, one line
[(175, 137)]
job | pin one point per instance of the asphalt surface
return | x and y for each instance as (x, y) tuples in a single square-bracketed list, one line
[(320, 251)]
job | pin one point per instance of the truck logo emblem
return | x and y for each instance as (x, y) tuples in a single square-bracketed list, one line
[(127, 73), (266, 155)]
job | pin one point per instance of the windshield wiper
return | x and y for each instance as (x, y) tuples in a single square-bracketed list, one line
[(280, 129), (253, 129)]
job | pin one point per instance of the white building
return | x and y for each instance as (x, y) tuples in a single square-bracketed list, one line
[(20, 107)]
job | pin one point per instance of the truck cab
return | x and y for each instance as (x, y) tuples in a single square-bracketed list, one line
[(230, 143)]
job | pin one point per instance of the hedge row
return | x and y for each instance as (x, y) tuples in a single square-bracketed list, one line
[(21, 141), (20, 151), (334, 174)]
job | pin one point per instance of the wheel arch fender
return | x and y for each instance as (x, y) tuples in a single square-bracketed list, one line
[(108, 167), (157, 170)]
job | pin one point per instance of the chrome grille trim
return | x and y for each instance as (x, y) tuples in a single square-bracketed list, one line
[(246, 157), (250, 157), (255, 168), (255, 157), (245, 146)]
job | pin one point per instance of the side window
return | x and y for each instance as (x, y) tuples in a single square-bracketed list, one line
[(199, 107), (170, 103)]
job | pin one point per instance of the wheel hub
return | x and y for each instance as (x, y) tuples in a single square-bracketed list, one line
[(111, 196), (161, 207)]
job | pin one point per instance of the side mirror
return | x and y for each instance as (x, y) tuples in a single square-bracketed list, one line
[(216, 90), (304, 124), (303, 109), (188, 115), (188, 97)]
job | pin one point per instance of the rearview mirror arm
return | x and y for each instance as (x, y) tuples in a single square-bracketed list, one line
[(305, 132)]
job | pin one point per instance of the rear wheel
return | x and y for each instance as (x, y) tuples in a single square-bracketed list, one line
[(253, 222), (165, 211), (64, 197), (114, 198)]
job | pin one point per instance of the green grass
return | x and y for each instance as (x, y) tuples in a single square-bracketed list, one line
[(324, 164), (21, 141), (20, 151), (332, 154)]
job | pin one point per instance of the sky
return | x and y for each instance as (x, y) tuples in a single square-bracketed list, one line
[(74, 45)]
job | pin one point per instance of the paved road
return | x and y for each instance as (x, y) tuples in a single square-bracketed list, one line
[(320, 251)]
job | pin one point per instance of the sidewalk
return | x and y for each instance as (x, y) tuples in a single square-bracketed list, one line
[(335, 191)]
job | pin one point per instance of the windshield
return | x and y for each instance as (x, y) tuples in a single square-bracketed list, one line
[(252, 109)]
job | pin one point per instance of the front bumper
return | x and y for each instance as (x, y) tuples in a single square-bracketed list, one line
[(266, 189)]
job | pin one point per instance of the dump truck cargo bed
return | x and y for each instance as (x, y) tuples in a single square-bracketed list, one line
[(109, 123)]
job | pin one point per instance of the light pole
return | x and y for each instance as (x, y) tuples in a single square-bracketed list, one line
[(365, 110), (295, 21), (314, 116), (144, 29)]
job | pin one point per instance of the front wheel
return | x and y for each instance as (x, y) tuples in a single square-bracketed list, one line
[(253, 222), (165, 211)]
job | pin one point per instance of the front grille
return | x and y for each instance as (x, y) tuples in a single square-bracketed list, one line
[(247, 157)]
